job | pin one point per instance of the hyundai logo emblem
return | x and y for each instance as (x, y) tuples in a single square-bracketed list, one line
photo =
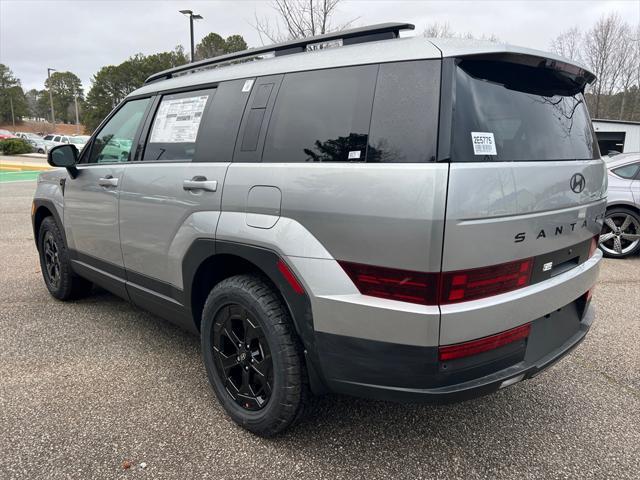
[(577, 182)]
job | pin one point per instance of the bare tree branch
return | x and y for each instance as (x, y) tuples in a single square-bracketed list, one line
[(298, 19)]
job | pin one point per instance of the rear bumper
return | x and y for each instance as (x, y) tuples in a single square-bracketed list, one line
[(421, 366)]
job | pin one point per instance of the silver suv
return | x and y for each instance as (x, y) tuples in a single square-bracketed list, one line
[(394, 218)]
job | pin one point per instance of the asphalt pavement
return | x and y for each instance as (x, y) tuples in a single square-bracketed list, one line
[(91, 387)]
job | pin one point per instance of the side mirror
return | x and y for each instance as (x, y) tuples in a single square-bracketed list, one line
[(65, 156)]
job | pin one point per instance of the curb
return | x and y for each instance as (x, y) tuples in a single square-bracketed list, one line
[(18, 167)]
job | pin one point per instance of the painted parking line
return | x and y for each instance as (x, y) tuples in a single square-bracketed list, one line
[(24, 176)]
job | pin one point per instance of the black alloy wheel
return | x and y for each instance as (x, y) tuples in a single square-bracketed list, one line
[(242, 355), (51, 259), (253, 356), (59, 277)]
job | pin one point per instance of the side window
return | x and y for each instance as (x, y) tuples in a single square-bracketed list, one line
[(322, 116), (114, 141), (56, 139), (628, 171), (221, 122), (48, 137), (404, 122), (174, 130)]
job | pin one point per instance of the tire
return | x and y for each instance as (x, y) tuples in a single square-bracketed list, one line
[(620, 236), (264, 398), (40, 150), (55, 264)]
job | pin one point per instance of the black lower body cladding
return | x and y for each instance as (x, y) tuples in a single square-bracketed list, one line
[(388, 371)]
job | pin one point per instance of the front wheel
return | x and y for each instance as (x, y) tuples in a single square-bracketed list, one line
[(620, 236), (55, 264), (252, 355)]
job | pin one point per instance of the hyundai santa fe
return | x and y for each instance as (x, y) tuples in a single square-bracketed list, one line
[(394, 218)]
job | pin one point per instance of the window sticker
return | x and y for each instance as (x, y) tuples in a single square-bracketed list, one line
[(483, 143), (354, 154), (178, 120), (247, 85)]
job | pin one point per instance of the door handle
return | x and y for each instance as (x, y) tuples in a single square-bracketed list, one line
[(108, 181), (200, 183)]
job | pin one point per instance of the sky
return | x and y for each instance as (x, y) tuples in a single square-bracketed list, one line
[(84, 35)]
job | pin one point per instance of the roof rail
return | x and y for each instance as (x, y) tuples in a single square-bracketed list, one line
[(381, 31)]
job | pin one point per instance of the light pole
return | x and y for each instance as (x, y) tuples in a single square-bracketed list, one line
[(192, 16), (75, 99), (53, 115)]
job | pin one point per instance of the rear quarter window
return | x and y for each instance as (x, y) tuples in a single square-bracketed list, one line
[(322, 116), (628, 171), (404, 122)]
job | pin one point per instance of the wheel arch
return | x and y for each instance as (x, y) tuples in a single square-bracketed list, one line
[(43, 208), (629, 206), (207, 262)]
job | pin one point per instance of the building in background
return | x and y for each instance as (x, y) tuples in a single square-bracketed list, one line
[(617, 136)]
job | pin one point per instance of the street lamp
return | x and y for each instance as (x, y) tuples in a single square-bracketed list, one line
[(192, 16), (53, 116)]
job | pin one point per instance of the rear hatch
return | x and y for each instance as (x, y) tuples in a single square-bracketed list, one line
[(526, 180)]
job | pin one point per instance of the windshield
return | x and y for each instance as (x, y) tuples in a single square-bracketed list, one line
[(507, 112)]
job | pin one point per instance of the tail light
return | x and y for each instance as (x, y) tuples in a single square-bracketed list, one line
[(593, 245), (394, 284), (465, 285), (589, 295), (474, 347)]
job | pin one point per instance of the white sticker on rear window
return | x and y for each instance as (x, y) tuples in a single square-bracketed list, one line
[(483, 143), (354, 154), (178, 120)]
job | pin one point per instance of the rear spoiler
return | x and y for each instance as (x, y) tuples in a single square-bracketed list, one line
[(567, 76)]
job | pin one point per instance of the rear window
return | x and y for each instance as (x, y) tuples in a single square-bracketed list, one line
[(508, 112)]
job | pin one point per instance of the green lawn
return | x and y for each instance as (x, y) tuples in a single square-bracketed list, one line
[(18, 176)]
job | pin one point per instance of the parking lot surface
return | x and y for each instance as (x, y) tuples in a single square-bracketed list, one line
[(92, 386)]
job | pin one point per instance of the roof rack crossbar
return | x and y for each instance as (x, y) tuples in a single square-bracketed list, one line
[(380, 31)]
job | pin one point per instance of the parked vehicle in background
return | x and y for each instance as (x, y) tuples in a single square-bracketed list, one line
[(396, 218), (620, 235), (6, 134), (36, 141), (79, 141), (54, 139)]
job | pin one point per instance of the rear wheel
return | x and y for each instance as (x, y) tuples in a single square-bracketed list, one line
[(253, 356), (55, 264), (620, 236)]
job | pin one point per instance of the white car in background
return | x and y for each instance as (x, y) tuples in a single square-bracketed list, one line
[(53, 139), (79, 141)]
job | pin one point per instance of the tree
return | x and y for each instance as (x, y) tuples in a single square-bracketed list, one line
[(299, 19), (568, 44), (214, 45), (210, 46), (235, 43), (444, 30), (38, 103), (65, 88), (13, 103), (601, 46), (112, 83)]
